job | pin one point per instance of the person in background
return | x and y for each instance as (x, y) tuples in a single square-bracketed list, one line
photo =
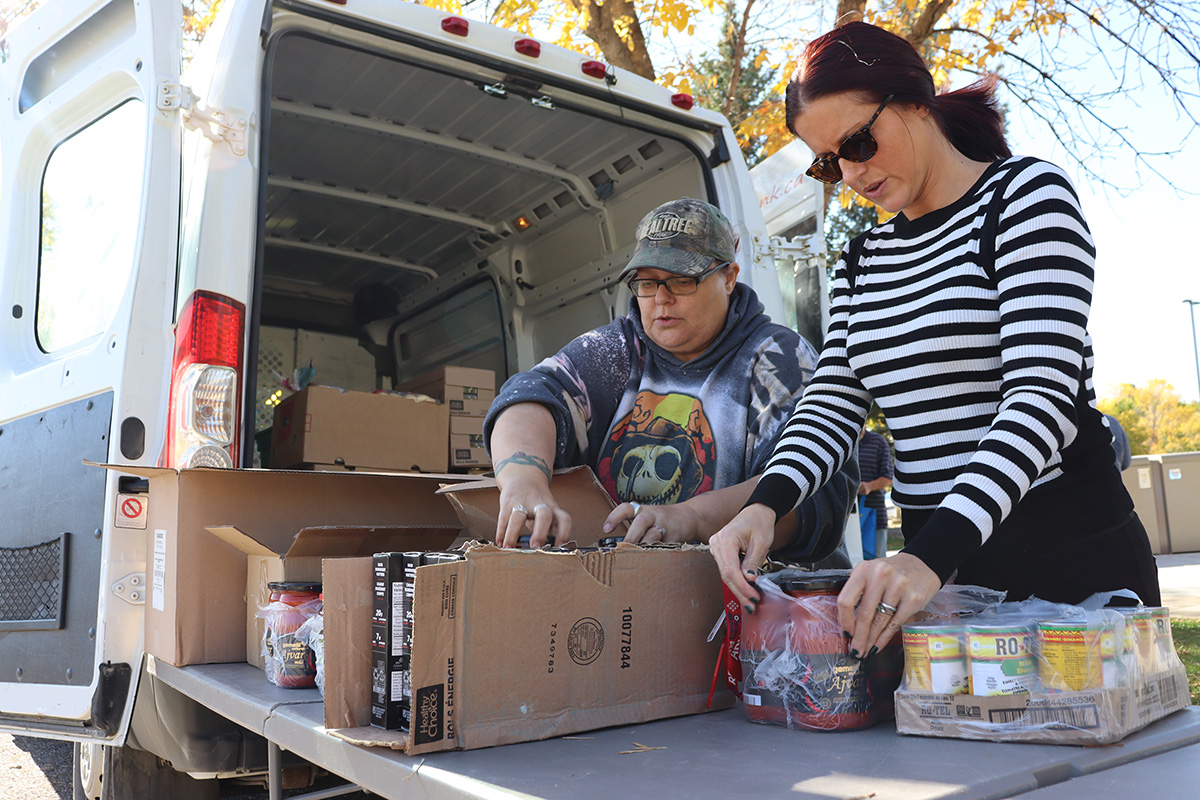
[(965, 318), (1120, 443), (875, 469), (675, 406)]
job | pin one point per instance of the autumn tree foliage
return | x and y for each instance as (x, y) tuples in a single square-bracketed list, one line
[(1154, 418)]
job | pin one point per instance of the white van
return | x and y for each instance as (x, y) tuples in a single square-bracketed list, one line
[(371, 186)]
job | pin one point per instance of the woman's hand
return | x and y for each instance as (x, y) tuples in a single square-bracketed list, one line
[(649, 523), (751, 532), (526, 504), (901, 584)]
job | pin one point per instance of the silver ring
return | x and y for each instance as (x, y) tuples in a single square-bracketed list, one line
[(886, 609), (539, 507), (636, 507), (520, 508), (662, 531)]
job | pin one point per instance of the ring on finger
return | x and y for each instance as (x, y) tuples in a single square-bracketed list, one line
[(539, 507), (636, 507), (519, 509), (661, 530), (885, 608)]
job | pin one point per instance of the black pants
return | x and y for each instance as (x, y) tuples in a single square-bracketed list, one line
[(1061, 569)]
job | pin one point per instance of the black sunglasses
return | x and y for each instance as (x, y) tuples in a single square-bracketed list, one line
[(858, 147)]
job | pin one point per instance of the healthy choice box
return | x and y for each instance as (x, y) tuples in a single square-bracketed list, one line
[(601, 637)]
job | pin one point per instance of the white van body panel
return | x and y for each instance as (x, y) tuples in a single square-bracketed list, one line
[(241, 197), (55, 86)]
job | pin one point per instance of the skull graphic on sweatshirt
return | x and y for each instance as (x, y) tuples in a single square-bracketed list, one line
[(661, 453)]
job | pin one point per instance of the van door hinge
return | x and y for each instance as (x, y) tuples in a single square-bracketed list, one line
[(131, 588), (215, 124)]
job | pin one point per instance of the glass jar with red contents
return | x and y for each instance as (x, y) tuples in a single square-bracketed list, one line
[(763, 639), (830, 690), (290, 662)]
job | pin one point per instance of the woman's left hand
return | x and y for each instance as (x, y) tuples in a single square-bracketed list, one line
[(880, 596), (647, 523)]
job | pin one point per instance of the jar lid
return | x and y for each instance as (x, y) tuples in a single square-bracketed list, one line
[(824, 583), (294, 586)]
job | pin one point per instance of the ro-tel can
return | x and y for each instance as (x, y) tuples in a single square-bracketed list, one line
[(763, 638), (1141, 657), (1164, 642), (1069, 655), (829, 690), (290, 662), (935, 659), (1001, 658)]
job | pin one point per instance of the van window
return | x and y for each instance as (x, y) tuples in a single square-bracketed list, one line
[(465, 329), (91, 195)]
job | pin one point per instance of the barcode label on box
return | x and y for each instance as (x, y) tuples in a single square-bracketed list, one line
[(1087, 716)]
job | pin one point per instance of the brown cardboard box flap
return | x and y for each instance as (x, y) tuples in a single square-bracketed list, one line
[(576, 489), (341, 541)]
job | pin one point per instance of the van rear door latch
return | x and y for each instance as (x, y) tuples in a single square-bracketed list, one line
[(215, 124)]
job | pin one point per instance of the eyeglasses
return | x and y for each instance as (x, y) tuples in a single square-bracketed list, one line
[(858, 147), (676, 284)]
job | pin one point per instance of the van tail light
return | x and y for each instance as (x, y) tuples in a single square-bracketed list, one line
[(684, 101), (206, 376)]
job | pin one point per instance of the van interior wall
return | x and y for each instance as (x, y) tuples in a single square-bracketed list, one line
[(414, 219)]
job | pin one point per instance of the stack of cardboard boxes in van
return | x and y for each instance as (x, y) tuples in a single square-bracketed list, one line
[(326, 428), (467, 393)]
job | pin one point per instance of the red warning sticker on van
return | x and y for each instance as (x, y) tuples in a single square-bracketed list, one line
[(131, 511)]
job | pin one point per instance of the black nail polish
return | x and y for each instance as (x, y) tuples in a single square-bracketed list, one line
[(749, 608), (872, 651), (853, 653), (846, 635)]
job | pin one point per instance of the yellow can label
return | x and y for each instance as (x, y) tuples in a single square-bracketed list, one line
[(1002, 660), (1070, 657)]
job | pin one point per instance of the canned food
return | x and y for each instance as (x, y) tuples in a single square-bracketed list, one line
[(1002, 659), (1163, 640), (934, 658), (1070, 657), (1141, 656)]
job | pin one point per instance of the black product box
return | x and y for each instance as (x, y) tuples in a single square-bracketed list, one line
[(390, 641)]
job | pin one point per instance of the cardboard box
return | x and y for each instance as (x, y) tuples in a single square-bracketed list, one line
[(196, 609), (477, 504), (268, 559), (466, 443), (1091, 717), (624, 641), (322, 425), (621, 639), (466, 391)]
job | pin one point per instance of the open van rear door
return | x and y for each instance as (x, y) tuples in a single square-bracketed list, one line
[(90, 145)]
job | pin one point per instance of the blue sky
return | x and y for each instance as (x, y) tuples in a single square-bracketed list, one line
[(1147, 258)]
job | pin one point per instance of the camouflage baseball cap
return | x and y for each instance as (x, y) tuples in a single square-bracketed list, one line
[(682, 236)]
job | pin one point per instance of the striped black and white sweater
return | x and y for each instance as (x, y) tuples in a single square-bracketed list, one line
[(968, 327)]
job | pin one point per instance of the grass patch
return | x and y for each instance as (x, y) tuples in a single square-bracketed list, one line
[(1186, 633)]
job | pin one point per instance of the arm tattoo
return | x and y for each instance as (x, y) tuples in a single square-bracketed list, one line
[(526, 460)]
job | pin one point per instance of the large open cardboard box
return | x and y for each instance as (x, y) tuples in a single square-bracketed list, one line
[(301, 560), (515, 645), (196, 609), (322, 426)]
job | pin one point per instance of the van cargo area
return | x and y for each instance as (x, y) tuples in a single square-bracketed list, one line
[(418, 210)]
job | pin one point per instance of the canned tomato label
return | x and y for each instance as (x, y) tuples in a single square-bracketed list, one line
[(1002, 659), (934, 658), (1070, 657), (1140, 650), (1164, 642)]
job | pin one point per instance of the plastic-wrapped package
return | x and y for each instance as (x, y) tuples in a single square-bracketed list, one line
[(289, 661), (796, 666), (1039, 671), (312, 633)]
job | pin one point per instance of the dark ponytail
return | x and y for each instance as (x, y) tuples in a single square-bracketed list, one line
[(862, 58)]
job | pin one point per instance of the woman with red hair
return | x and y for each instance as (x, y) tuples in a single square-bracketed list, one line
[(964, 317)]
